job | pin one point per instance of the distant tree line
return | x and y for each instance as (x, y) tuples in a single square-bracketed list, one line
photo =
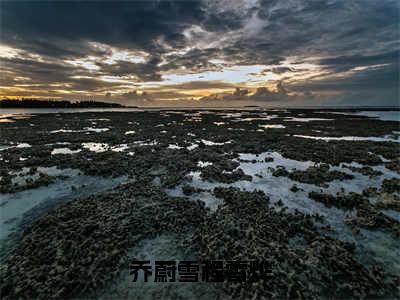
[(35, 103)]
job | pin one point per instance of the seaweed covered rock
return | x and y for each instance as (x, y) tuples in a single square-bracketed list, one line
[(391, 185), (372, 218), (214, 173), (393, 165), (280, 171), (300, 262), (294, 188), (21, 183), (317, 175), (389, 201), (80, 246), (370, 191), (341, 200), (365, 170)]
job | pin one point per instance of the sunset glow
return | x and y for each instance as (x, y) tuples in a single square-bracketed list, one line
[(181, 50)]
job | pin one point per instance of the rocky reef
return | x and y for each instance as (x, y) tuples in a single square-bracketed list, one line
[(318, 175), (323, 203), (80, 246), (302, 263)]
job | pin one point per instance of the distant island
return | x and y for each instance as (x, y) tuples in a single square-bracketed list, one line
[(35, 103)]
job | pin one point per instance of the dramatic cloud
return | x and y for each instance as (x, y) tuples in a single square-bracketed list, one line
[(268, 52)]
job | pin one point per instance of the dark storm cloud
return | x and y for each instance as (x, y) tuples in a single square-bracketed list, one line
[(322, 27), (63, 29), (39, 71), (144, 71), (357, 40), (345, 63), (196, 59), (375, 78), (45, 74), (137, 24)]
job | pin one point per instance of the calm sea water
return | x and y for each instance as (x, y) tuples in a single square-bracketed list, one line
[(17, 111), (382, 115)]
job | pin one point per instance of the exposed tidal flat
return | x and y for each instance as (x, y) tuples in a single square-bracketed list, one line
[(313, 193)]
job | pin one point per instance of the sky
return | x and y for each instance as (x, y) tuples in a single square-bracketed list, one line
[(202, 52)]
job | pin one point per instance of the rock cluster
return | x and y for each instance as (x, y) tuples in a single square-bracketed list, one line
[(391, 185), (317, 175), (302, 263), (80, 246), (7, 185), (77, 248), (393, 165), (365, 170), (368, 215), (372, 218), (213, 173), (342, 200)]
